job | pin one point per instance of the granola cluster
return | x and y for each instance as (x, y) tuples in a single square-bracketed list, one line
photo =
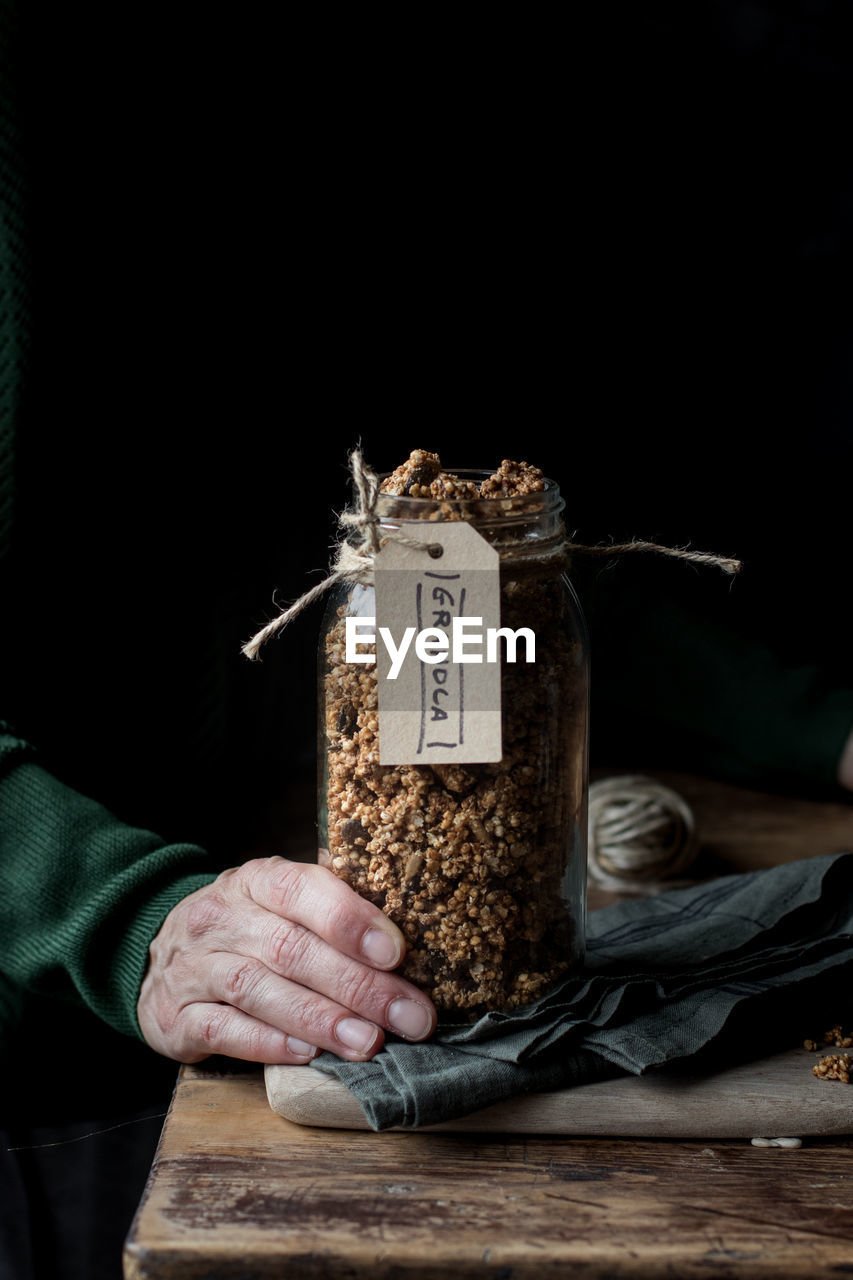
[(832, 1066), (513, 479), (471, 861), (835, 1035), (422, 476)]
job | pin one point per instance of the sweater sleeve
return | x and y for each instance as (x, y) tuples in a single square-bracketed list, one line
[(82, 895)]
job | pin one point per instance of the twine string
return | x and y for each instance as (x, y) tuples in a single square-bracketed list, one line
[(351, 563), (363, 517), (641, 835), (678, 553), (354, 562)]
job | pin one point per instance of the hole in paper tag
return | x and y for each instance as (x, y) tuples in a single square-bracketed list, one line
[(439, 694)]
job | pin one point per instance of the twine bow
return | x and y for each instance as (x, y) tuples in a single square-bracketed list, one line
[(355, 563)]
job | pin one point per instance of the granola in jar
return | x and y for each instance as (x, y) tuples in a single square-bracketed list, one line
[(482, 866)]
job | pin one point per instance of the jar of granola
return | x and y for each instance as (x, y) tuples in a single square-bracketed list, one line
[(481, 864)]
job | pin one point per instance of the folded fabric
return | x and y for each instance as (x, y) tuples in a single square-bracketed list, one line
[(712, 973)]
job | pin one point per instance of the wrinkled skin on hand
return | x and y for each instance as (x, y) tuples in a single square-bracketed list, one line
[(272, 962)]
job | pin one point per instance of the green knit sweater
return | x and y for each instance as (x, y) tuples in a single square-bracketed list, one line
[(81, 895)]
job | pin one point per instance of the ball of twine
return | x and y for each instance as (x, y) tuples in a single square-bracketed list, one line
[(641, 834)]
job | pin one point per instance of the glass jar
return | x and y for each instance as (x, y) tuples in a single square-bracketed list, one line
[(482, 866)]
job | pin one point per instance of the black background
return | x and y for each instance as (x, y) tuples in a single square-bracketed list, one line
[(616, 242), (621, 244)]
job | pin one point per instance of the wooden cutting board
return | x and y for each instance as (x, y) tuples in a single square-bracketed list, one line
[(773, 1097)]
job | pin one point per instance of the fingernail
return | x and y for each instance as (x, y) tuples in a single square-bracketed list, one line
[(409, 1019), (380, 947), (299, 1047), (356, 1034)]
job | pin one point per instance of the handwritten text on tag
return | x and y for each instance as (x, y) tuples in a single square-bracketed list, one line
[(437, 663)]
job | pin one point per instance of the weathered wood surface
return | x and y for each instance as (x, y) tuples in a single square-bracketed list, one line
[(777, 1096), (237, 1191), (240, 1192)]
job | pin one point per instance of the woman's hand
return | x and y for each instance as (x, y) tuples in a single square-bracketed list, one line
[(273, 961)]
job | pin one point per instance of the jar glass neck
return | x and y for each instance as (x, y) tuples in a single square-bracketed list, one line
[(527, 520)]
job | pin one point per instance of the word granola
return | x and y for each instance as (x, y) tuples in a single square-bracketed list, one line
[(469, 860)]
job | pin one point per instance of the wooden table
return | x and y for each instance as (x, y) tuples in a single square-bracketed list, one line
[(236, 1191)]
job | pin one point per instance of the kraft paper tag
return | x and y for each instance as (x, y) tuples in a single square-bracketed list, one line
[(447, 710)]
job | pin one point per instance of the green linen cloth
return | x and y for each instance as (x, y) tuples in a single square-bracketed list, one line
[(719, 971)]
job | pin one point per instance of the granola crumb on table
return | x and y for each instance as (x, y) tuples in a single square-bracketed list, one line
[(837, 1036), (835, 1066), (832, 1066), (469, 860)]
